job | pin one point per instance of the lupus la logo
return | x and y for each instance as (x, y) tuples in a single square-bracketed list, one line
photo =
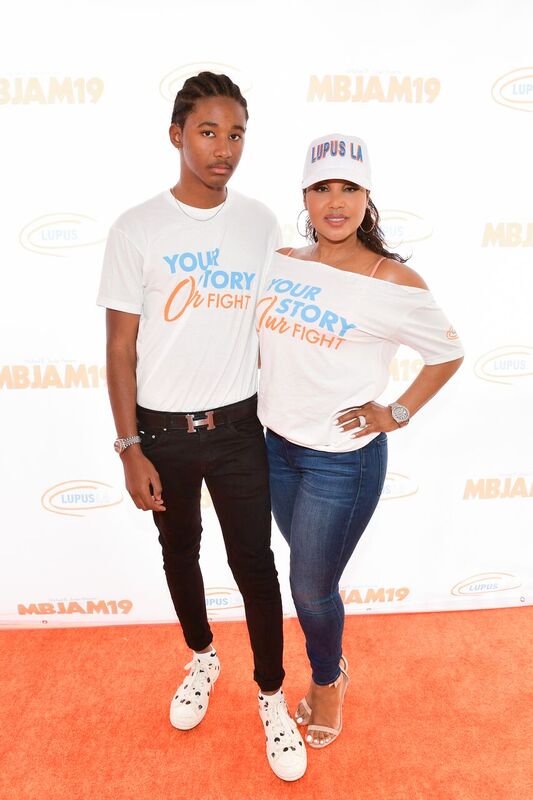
[(222, 598), (507, 364), (43, 375), (397, 485), (48, 90), (508, 234), (360, 88), (77, 498), (59, 234), (514, 89), (173, 81), (485, 583), (499, 488), (365, 595), (77, 606), (403, 227)]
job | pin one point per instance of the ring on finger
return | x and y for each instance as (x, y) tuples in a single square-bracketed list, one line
[(362, 421)]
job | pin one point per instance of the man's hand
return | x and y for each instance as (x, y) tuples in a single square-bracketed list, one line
[(142, 480)]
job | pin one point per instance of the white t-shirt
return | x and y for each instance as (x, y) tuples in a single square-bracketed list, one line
[(327, 338), (194, 283)]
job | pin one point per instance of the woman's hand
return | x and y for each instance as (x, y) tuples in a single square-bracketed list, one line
[(373, 418), (368, 418)]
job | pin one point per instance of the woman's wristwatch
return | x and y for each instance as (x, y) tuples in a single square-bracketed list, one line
[(400, 414), (121, 444)]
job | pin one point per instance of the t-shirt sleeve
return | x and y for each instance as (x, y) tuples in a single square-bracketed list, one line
[(428, 331), (275, 241), (277, 238), (121, 283)]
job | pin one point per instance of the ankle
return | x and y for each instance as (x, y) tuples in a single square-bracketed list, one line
[(277, 693), (205, 655)]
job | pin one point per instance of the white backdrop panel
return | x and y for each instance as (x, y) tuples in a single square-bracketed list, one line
[(86, 93)]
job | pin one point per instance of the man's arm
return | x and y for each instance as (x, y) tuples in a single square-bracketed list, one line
[(142, 479)]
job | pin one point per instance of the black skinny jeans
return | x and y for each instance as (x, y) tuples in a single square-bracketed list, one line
[(232, 460)]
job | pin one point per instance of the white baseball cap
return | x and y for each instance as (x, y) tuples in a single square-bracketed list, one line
[(337, 156)]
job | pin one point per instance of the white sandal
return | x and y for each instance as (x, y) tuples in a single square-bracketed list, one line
[(332, 732), (302, 717)]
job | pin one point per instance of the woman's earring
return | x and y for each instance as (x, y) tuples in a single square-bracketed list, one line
[(370, 229), (304, 234)]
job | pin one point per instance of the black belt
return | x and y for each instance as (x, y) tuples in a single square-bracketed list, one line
[(193, 420)]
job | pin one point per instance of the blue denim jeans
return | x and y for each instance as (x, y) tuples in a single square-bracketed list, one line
[(322, 503)]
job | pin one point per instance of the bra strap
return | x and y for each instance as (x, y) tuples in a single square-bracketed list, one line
[(376, 266)]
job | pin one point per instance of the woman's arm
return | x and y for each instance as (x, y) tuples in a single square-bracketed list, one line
[(428, 382), (379, 418)]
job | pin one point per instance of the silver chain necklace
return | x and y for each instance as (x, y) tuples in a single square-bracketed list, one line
[(199, 219)]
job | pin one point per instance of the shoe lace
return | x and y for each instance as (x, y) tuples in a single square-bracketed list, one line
[(282, 728), (196, 680)]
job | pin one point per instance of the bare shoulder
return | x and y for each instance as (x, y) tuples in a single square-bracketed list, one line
[(393, 271), (302, 253)]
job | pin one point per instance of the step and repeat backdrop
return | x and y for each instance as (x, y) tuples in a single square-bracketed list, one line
[(443, 95)]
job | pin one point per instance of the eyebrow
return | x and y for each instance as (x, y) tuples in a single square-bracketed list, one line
[(215, 125)]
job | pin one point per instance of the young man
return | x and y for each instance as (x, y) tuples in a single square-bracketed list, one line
[(180, 279)]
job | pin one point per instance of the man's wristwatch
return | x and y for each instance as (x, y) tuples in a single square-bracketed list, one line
[(400, 414), (122, 444)]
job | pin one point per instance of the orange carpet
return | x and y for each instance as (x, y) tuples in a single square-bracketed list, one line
[(439, 708)]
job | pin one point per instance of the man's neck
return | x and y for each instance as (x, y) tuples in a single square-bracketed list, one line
[(199, 196)]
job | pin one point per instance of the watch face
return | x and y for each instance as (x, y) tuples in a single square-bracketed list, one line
[(400, 413), (118, 446)]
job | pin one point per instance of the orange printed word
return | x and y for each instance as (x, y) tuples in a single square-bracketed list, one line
[(67, 376), (294, 329), (227, 300), (34, 89), (185, 294), (508, 234), (405, 369), (498, 488), (365, 88), (381, 595), (73, 607)]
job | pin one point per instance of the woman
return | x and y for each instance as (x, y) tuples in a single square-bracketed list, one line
[(330, 320)]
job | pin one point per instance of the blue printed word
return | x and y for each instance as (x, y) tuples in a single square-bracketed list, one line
[(308, 312), (218, 278), (188, 262)]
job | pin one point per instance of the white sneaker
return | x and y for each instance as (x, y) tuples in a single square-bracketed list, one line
[(189, 704), (285, 749)]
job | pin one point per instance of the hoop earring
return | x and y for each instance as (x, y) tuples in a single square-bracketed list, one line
[(298, 222), (370, 229)]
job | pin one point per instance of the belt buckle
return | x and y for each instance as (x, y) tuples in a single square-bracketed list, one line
[(193, 424)]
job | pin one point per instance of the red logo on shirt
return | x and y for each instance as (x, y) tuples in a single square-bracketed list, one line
[(451, 333)]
